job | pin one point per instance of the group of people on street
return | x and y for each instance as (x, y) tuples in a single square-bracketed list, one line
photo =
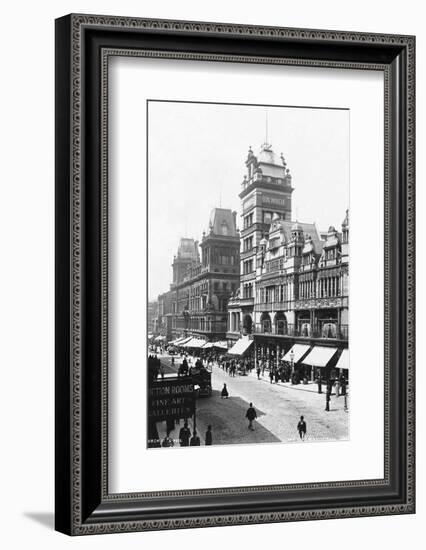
[(155, 367), (188, 440), (235, 366)]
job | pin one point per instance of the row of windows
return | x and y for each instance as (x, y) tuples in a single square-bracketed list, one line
[(248, 220), (247, 267), (248, 244), (321, 288), (267, 217), (248, 290)]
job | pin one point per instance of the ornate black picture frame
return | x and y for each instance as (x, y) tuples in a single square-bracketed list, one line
[(83, 46)]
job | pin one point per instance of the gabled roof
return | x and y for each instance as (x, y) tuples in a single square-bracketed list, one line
[(222, 222), (286, 227), (188, 248)]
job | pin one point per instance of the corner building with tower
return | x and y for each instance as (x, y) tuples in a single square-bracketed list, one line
[(293, 292)]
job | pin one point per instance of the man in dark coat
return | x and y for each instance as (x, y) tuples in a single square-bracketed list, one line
[(195, 440), (301, 428), (209, 436), (184, 435), (251, 415), (327, 400), (224, 393)]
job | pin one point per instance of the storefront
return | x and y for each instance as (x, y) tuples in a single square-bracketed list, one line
[(319, 360)]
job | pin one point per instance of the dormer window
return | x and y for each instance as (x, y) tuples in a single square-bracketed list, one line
[(225, 228)]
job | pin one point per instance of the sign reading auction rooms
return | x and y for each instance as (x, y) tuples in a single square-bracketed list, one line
[(171, 399)]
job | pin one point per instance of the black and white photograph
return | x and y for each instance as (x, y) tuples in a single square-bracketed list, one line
[(248, 245)]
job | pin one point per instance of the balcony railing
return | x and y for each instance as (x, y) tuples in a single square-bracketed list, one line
[(273, 306), (247, 301), (339, 333)]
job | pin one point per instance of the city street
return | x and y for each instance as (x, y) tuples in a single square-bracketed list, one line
[(278, 406)]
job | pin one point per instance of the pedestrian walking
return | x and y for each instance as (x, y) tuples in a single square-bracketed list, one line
[(258, 372), (224, 393), (301, 428), (271, 375), (162, 371), (195, 440), (184, 435), (327, 401), (337, 388), (209, 436), (251, 415)]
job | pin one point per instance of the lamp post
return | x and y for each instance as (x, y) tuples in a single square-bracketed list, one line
[(292, 365)]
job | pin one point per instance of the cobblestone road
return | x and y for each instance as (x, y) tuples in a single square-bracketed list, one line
[(279, 407)]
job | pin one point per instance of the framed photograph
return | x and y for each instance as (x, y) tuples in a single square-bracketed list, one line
[(234, 274)]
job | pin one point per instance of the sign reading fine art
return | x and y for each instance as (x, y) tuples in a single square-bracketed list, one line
[(171, 399)]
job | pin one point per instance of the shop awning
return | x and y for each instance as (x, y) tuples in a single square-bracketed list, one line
[(180, 341), (319, 356), (241, 346), (177, 341), (299, 351), (194, 343), (220, 345), (343, 361), (150, 336), (159, 338)]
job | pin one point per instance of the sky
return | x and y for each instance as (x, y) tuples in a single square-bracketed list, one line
[(196, 162)]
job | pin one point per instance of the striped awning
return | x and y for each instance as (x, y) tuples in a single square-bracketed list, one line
[(319, 356), (181, 341), (220, 345), (299, 351), (343, 361), (241, 346), (194, 343)]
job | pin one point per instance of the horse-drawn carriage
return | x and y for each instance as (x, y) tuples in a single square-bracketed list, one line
[(202, 379)]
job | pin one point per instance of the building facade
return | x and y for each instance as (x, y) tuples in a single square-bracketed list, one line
[(294, 280), (197, 302)]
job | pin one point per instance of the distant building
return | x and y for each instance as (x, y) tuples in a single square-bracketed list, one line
[(152, 317), (197, 301)]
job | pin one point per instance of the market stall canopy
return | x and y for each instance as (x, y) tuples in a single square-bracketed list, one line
[(299, 351), (319, 356), (159, 338), (241, 346), (150, 336), (343, 361), (220, 345), (194, 343)]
